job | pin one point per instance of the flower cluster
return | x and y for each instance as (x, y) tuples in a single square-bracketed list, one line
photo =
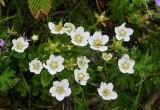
[(81, 75), (79, 37)]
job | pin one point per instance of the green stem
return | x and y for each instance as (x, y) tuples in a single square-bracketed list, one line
[(85, 102), (101, 105), (29, 98), (74, 8), (0, 12), (131, 99), (13, 98), (93, 26), (137, 98)]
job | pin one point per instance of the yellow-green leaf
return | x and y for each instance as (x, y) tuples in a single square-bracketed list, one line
[(39, 8)]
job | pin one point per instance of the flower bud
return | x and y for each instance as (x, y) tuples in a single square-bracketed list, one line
[(106, 57), (100, 68), (2, 42), (35, 37)]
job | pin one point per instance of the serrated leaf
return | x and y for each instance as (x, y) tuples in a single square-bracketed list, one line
[(6, 79), (39, 8), (45, 78)]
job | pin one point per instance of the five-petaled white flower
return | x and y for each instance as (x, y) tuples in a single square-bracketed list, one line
[(54, 64), (106, 91), (126, 64), (19, 45), (79, 37), (55, 29), (35, 66), (81, 76), (123, 33), (82, 62), (98, 41), (68, 28), (60, 89)]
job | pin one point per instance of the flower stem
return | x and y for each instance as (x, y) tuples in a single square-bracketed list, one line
[(29, 98)]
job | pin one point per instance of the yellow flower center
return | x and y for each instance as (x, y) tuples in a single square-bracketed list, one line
[(59, 90), (78, 38), (57, 27), (122, 32), (53, 64), (97, 43), (19, 45), (106, 92), (125, 65), (36, 66), (80, 76)]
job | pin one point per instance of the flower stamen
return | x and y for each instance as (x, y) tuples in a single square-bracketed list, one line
[(53, 64), (59, 90), (78, 38), (97, 43)]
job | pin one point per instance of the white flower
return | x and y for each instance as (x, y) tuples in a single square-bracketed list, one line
[(54, 64), (106, 91), (126, 64), (20, 44), (106, 56), (81, 76), (55, 29), (123, 33), (68, 28), (79, 37), (82, 62), (97, 41), (60, 89), (35, 66)]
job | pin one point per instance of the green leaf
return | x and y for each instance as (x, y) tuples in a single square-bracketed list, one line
[(6, 79), (76, 89), (20, 88), (18, 55), (45, 78), (39, 8), (36, 79), (6, 19), (42, 48)]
